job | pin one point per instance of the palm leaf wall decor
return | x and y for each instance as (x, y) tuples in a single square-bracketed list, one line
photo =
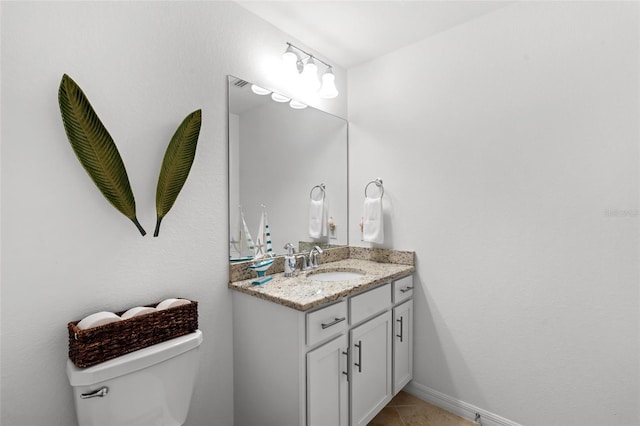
[(176, 164), (95, 149)]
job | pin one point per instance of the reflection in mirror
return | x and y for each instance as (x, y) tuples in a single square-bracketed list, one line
[(290, 163)]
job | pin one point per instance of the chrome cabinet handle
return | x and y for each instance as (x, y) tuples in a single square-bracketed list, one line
[(334, 322), (359, 363), (401, 328), (406, 289), (103, 391)]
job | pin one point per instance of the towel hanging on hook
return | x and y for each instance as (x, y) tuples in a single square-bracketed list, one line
[(318, 213), (372, 224)]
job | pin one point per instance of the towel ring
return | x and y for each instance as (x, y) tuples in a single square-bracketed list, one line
[(322, 189), (378, 183)]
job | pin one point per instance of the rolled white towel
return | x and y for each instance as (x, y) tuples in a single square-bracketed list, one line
[(171, 303), (98, 319), (137, 311)]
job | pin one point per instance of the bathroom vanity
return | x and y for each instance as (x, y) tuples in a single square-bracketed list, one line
[(317, 353), (312, 350)]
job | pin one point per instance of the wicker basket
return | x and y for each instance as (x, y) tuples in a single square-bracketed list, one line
[(95, 345)]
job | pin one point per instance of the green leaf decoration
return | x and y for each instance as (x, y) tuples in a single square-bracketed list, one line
[(177, 164), (95, 149)]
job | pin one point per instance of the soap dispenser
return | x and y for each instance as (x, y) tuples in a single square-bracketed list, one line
[(289, 261)]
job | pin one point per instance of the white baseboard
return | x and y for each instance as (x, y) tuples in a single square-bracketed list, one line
[(456, 406)]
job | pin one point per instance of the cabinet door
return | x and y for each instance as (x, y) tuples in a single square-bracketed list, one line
[(402, 345), (327, 385), (370, 366)]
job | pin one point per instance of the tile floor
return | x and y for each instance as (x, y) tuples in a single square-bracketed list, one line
[(407, 410)]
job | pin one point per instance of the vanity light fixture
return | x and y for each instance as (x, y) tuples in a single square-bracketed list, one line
[(306, 68), (279, 98), (328, 89), (297, 104), (310, 75), (259, 90), (291, 61)]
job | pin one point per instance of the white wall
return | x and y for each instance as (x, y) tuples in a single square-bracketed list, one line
[(508, 147), (65, 251)]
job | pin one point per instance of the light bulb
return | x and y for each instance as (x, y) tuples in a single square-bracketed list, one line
[(328, 89), (297, 104), (279, 98), (290, 61), (310, 75), (259, 90)]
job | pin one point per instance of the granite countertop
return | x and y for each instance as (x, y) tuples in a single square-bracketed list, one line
[(304, 293)]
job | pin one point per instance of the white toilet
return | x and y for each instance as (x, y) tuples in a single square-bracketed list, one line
[(148, 387)]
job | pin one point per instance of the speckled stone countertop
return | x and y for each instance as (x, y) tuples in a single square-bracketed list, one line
[(304, 293)]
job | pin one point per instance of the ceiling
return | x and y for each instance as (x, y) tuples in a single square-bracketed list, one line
[(348, 33)]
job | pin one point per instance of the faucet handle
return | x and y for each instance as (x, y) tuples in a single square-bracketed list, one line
[(313, 257), (290, 249), (304, 261)]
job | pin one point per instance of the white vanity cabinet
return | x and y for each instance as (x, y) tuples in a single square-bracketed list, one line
[(338, 365), (327, 384), (370, 368), (327, 366), (403, 332), (402, 345)]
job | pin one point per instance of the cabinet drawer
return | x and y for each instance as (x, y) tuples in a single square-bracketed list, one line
[(402, 289), (370, 303), (326, 322)]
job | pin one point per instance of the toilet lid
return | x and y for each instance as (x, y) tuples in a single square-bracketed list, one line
[(133, 361)]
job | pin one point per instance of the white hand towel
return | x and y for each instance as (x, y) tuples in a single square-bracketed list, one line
[(316, 216), (372, 221)]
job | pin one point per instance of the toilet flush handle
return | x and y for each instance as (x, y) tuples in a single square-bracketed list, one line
[(103, 391)]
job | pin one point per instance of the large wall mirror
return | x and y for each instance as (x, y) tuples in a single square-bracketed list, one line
[(289, 163)]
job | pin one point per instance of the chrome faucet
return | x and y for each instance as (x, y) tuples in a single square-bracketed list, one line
[(289, 261), (313, 257), (305, 266)]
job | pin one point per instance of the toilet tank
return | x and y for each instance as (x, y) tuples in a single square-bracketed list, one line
[(148, 387)]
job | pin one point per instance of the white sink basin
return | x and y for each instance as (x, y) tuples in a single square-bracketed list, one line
[(336, 276)]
